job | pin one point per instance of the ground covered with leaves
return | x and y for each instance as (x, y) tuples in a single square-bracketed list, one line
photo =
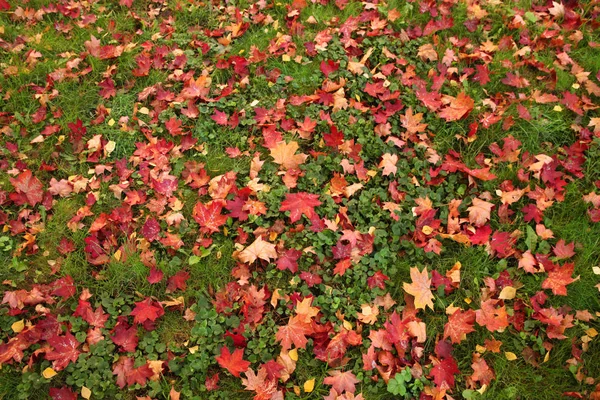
[(299, 199)]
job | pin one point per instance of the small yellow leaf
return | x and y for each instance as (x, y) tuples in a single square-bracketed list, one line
[(297, 390), (547, 357), (110, 147), (596, 270), (427, 230), (468, 300), (144, 110), (85, 392), (48, 373), (286, 58), (193, 349), (592, 332), (293, 354), (480, 349), (309, 385), (557, 108), (510, 356), (18, 326), (508, 293)]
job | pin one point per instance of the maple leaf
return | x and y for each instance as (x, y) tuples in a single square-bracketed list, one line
[(559, 278), (494, 319), (412, 122), (29, 187), (209, 216), (563, 250), (388, 163), (139, 375), (259, 249), (342, 381), (219, 117), (329, 66), (459, 325), (151, 230), (294, 332), (443, 373), (458, 108), (64, 350), (125, 336), (479, 212), (305, 310), (285, 155), (233, 362), (146, 310), (300, 203), (420, 288), (289, 260), (64, 393), (482, 373), (177, 281)]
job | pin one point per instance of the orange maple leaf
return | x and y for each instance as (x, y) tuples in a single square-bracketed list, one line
[(460, 106), (479, 212), (285, 155), (259, 249), (420, 288)]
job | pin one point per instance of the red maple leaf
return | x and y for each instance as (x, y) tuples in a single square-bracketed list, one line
[(173, 126), (121, 368), (64, 393), (139, 375), (29, 189), (289, 260), (64, 350), (482, 373), (329, 66), (177, 281), (233, 362), (125, 336), (443, 373), (459, 324), (219, 117), (151, 230), (559, 278), (342, 381), (300, 203), (146, 310), (563, 250), (209, 216)]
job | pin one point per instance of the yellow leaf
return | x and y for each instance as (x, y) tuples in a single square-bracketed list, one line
[(427, 230), (18, 326), (85, 392), (510, 356), (297, 390), (293, 354), (48, 373), (547, 357), (508, 293), (592, 332), (420, 288), (309, 385)]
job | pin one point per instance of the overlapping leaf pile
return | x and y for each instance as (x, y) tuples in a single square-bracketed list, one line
[(387, 187)]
